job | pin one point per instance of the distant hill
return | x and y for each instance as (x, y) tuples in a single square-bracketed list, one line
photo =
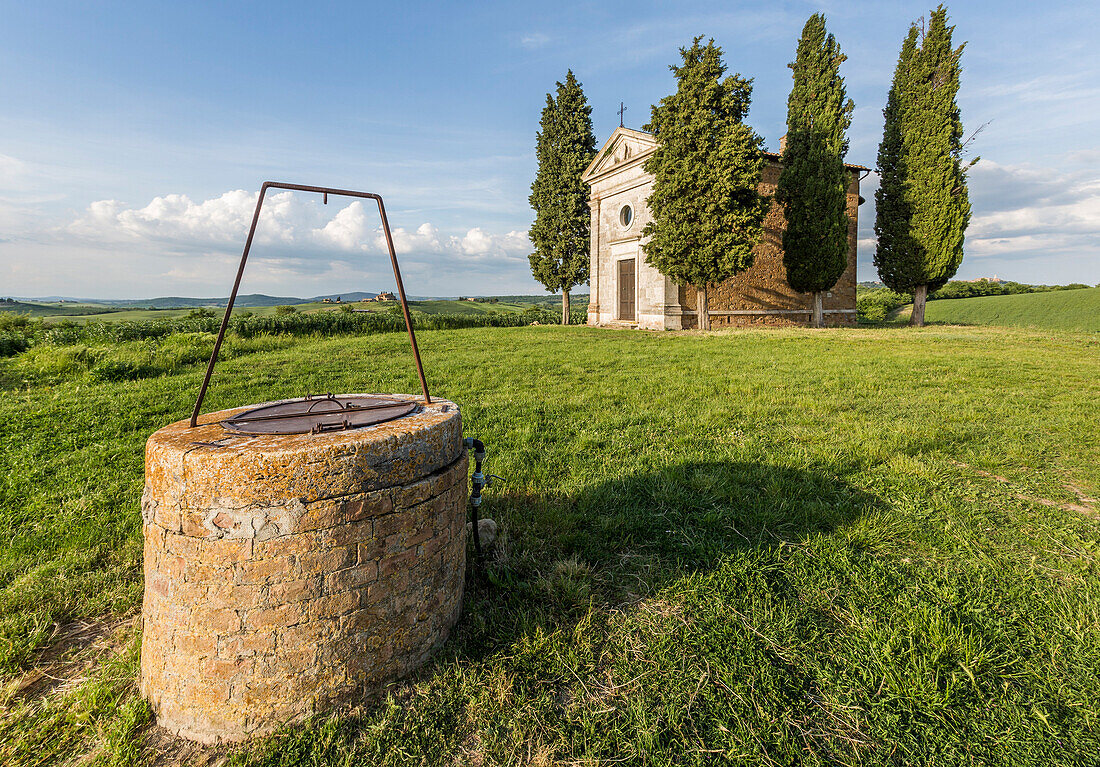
[(52, 310), (1057, 310), (64, 305), (181, 302), (346, 297)]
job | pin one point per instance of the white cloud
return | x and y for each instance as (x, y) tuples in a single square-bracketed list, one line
[(185, 242), (480, 244), (177, 219), (533, 40), (1028, 223), (11, 170), (1021, 212), (347, 230), (286, 220), (424, 240)]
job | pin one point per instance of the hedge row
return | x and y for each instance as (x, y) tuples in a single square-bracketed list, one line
[(296, 324)]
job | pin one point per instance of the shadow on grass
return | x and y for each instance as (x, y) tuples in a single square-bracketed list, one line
[(561, 560), (622, 540)]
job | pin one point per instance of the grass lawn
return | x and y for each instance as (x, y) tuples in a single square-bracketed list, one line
[(1057, 310), (860, 546)]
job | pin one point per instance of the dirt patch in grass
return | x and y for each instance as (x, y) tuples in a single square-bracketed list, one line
[(71, 652), (1085, 505), (166, 749)]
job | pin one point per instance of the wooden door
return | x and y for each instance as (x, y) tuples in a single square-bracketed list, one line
[(626, 289)]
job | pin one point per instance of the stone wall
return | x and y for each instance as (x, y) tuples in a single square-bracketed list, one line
[(263, 614), (764, 288)]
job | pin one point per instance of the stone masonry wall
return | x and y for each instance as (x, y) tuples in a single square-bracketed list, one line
[(764, 285), (252, 624)]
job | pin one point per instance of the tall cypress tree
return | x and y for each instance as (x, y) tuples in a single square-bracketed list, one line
[(565, 145), (813, 183), (922, 205), (706, 212)]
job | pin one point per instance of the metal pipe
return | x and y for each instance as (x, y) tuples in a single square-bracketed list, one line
[(477, 484), (325, 192)]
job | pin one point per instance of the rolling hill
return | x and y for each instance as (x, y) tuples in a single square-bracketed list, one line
[(1057, 310)]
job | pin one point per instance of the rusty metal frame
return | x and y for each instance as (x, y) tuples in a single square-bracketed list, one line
[(325, 192)]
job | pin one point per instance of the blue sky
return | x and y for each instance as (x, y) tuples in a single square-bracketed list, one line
[(133, 136)]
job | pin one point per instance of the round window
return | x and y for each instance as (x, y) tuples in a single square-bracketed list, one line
[(626, 216)]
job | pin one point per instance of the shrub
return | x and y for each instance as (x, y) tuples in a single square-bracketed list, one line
[(13, 343), (51, 362), (184, 349), (16, 333), (876, 305), (120, 370), (11, 322), (284, 310)]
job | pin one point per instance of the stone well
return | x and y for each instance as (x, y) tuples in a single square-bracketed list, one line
[(289, 573)]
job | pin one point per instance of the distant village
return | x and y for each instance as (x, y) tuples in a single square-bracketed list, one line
[(384, 296)]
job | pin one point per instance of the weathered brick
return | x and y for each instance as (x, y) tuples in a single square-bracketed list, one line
[(217, 620), (272, 617), (199, 697), (363, 619), (181, 545), (158, 585), (349, 534), (262, 570), (433, 546), (192, 524), (168, 517), (224, 551), (198, 644), (285, 545), (294, 591), (392, 524), (420, 536), (328, 560), (225, 669), (411, 495), (351, 578), (322, 515), (372, 505), (307, 634), (232, 595), (247, 645), (393, 545), (371, 551), (332, 605)]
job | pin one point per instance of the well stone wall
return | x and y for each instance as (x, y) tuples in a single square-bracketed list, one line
[(287, 574)]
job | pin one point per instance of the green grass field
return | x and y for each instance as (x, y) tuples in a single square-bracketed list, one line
[(60, 310), (1057, 310), (870, 546)]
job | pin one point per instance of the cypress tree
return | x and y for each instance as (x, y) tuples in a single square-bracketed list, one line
[(813, 183), (565, 145), (706, 212), (922, 205)]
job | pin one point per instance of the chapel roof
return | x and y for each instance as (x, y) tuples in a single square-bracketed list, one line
[(646, 137)]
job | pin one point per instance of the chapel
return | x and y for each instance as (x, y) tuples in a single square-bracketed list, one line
[(628, 292)]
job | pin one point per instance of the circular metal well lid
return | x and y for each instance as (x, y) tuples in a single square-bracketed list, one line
[(317, 414)]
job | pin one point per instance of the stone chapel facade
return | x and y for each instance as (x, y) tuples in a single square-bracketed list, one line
[(628, 292)]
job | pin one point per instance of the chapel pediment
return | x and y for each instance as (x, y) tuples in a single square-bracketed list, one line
[(624, 148)]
